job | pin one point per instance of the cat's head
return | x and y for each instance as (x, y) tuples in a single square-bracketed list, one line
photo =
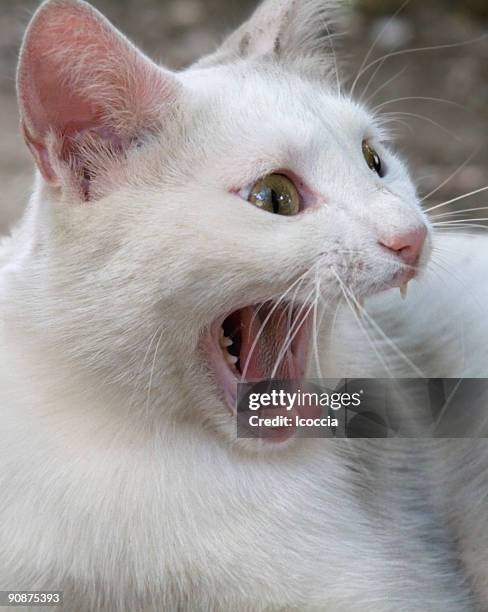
[(177, 212)]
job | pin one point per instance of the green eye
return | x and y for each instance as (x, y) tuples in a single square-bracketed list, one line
[(372, 159), (276, 194)]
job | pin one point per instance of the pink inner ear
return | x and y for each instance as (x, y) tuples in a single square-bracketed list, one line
[(77, 74), (66, 116), (54, 67)]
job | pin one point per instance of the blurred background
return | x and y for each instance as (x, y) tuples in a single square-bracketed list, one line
[(438, 138)]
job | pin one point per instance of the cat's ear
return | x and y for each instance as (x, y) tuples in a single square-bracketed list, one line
[(82, 84), (296, 32)]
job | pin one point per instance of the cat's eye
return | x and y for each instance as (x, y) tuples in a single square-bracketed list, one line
[(372, 159), (276, 194)]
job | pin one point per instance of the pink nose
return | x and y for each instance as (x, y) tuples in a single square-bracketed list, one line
[(407, 245)]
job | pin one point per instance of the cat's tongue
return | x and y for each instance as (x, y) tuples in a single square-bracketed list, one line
[(270, 343)]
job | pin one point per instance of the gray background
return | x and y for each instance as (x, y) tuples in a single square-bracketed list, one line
[(175, 32)]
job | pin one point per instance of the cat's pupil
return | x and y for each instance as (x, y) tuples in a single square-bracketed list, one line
[(373, 159), (377, 163), (276, 200), (276, 194)]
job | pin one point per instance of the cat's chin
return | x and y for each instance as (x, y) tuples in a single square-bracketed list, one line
[(258, 342)]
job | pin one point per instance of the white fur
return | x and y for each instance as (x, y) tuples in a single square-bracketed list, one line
[(121, 479)]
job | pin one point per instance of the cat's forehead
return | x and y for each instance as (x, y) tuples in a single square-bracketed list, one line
[(251, 120), (274, 96)]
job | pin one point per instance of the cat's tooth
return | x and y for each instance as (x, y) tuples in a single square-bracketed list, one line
[(225, 342), (404, 291), (231, 359)]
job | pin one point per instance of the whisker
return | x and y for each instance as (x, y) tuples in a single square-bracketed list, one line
[(292, 333), (460, 228), (265, 322), (382, 334), (421, 98), (440, 249), (453, 175), (334, 320), (316, 328), (143, 363), (428, 120), (445, 407), (447, 268), (416, 50), (361, 326), (382, 86), (291, 305), (330, 40), (324, 310), (385, 120), (454, 221), (149, 387), (458, 212), (457, 199), (373, 46), (280, 296)]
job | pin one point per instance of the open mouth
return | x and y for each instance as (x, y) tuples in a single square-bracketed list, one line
[(259, 342)]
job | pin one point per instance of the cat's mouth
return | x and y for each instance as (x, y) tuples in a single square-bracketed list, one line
[(259, 342)]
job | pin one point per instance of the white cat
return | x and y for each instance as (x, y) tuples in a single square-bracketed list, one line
[(166, 207)]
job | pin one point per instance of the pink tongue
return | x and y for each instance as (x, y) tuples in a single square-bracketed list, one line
[(258, 359)]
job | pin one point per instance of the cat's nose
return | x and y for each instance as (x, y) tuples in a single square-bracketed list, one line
[(406, 244)]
